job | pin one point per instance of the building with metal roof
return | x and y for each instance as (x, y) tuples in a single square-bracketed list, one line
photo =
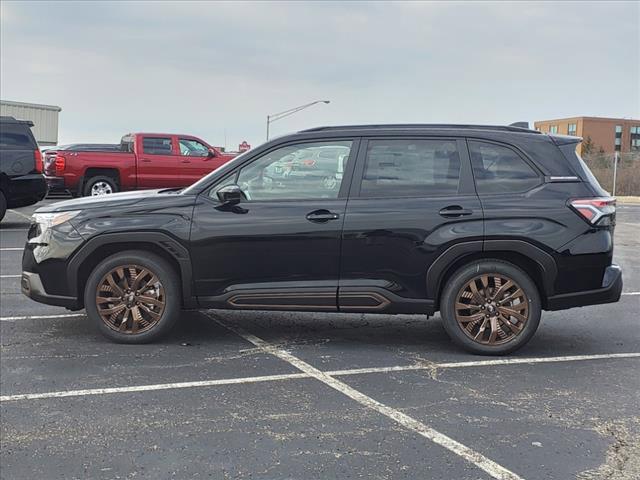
[(44, 118)]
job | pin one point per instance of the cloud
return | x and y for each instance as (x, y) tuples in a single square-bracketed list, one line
[(217, 69)]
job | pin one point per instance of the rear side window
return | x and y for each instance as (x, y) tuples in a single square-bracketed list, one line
[(410, 168), (157, 146), (499, 169)]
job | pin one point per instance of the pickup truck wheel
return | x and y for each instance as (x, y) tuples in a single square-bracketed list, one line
[(100, 185), (133, 297), (490, 307), (3, 205)]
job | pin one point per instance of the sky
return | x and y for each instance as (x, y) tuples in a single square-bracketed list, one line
[(216, 69)]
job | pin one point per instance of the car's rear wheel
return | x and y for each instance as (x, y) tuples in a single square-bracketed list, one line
[(490, 307), (100, 185), (133, 297)]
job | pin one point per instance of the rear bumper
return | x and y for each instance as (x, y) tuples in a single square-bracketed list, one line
[(32, 287), (56, 184), (609, 293), (26, 190)]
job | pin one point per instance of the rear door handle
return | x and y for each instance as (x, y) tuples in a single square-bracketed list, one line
[(146, 160), (453, 211), (322, 216)]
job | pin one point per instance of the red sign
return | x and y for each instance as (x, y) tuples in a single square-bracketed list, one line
[(244, 146)]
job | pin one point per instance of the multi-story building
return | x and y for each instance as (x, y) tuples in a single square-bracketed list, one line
[(599, 134)]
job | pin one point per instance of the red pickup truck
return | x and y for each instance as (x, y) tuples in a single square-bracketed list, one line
[(141, 161)]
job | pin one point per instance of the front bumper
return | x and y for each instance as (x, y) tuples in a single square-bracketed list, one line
[(610, 292), (32, 287)]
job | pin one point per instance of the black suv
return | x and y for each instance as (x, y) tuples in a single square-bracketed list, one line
[(21, 179), (487, 224)]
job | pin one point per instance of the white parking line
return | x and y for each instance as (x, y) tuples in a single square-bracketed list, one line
[(11, 249), (489, 466), (149, 388), (25, 230), (10, 276), (483, 363), (40, 317), (266, 378), (630, 293)]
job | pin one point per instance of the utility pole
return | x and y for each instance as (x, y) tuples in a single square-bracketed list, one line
[(615, 172)]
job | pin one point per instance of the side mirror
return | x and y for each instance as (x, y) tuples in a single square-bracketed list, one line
[(212, 153), (230, 194)]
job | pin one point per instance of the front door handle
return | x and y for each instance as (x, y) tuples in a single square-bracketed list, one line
[(322, 216), (453, 211)]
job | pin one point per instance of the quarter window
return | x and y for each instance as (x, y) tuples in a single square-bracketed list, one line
[(499, 169), (297, 172), (192, 148), (156, 146), (410, 168)]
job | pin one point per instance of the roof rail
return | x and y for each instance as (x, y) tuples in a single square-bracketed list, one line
[(423, 126)]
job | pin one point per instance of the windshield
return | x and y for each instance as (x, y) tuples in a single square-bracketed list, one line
[(207, 178)]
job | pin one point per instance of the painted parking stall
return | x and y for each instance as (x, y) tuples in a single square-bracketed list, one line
[(318, 395)]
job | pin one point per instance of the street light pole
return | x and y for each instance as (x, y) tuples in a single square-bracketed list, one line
[(277, 116)]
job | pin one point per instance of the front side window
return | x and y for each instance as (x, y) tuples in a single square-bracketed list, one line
[(157, 146), (297, 172), (410, 168), (499, 169), (192, 148)]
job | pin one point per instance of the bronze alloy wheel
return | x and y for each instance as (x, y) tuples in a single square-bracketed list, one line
[(130, 299), (492, 309)]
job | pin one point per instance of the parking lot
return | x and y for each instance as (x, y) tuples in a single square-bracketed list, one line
[(303, 396)]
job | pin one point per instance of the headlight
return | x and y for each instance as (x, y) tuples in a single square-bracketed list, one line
[(48, 220)]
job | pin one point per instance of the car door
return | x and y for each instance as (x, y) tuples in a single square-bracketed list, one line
[(196, 159), (280, 246), (411, 200), (158, 164)]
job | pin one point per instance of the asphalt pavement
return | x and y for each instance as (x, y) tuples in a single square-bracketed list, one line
[(270, 395)]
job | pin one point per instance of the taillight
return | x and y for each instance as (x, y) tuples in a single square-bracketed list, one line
[(37, 157), (60, 164), (594, 209)]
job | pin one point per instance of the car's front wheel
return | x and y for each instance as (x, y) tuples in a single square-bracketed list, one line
[(490, 307), (133, 297)]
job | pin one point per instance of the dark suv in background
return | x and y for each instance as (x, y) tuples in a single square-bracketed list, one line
[(487, 224), (21, 179)]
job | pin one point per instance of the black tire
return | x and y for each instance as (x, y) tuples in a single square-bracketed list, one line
[(3, 205), (106, 180), (460, 279), (168, 279)]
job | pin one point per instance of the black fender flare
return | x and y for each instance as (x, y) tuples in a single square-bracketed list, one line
[(169, 244), (544, 260)]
